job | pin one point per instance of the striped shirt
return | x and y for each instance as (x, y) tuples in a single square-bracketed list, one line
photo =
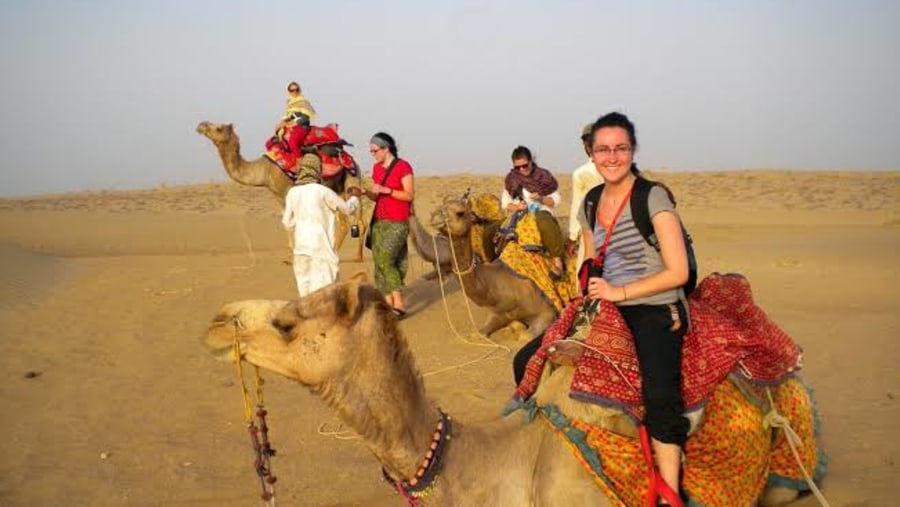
[(628, 256)]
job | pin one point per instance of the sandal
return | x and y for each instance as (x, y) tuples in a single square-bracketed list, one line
[(399, 313)]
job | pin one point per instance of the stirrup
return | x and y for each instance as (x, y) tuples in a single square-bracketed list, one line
[(657, 487)]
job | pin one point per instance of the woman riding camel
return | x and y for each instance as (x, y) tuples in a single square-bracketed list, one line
[(645, 284), (528, 187), (293, 127)]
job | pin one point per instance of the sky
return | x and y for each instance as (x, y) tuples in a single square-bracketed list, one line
[(108, 94)]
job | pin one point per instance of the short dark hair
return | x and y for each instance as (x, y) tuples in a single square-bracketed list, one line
[(615, 119), (522, 152)]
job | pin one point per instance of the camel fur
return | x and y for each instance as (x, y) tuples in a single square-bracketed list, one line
[(493, 286), (344, 344), (262, 172)]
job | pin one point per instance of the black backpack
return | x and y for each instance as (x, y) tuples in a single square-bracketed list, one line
[(640, 213)]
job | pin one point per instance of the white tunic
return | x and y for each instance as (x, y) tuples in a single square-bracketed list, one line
[(309, 209)]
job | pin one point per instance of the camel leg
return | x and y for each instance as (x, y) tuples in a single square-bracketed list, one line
[(341, 233), (539, 323), (495, 323), (290, 257)]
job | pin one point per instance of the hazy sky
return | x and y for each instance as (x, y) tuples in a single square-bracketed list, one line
[(107, 94)]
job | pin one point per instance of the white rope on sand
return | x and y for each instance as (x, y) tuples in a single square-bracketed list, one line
[(494, 346), (249, 244)]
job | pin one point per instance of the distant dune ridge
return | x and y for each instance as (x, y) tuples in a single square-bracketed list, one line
[(104, 295)]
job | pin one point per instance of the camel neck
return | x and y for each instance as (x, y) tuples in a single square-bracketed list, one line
[(396, 422), (462, 250)]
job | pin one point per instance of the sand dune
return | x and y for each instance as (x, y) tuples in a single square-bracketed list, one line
[(111, 400)]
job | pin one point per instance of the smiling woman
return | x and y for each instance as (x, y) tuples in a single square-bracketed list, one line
[(393, 193)]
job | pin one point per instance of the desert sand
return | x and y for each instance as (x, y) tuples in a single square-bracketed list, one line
[(111, 400)]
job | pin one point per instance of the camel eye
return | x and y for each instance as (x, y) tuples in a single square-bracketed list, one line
[(460, 214), (285, 328)]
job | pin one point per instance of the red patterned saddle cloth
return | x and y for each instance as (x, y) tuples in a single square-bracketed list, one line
[(729, 333), (324, 142)]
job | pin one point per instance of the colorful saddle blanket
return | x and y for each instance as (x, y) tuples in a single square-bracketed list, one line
[(729, 333), (729, 460), (324, 142), (525, 257)]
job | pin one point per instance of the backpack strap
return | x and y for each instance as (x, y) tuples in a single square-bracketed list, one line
[(591, 202), (640, 210)]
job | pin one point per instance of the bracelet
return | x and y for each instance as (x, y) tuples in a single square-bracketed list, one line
[(624, 294)]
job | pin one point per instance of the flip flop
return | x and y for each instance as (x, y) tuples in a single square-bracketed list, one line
[(400, 314)]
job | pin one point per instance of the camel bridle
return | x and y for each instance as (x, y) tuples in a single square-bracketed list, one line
[(422, 483), (259, 434)]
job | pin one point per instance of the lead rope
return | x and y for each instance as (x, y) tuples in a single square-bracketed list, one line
[(775, 420), (259, 435)]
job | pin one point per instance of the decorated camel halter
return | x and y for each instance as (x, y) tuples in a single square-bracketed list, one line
[(259, 435), (422, 483)]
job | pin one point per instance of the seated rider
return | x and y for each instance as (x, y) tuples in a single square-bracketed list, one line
[(529, 188), (293, 127)]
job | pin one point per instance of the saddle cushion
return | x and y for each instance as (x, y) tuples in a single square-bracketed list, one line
[(729, 333), (524, 258)]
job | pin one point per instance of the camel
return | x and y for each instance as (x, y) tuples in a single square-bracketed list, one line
[(344, 344), (493, 286), (262, 172)]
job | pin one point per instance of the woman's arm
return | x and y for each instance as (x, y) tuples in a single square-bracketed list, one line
[(408, 193)]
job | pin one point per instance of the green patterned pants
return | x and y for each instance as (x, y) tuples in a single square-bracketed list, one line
[(391, 254)]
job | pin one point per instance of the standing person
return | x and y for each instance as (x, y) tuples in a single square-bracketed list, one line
[(584, 178), (393, 193), (645, 284), (309, 210), (528, 187)]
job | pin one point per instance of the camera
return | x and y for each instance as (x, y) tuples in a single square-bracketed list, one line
[(354, 231)]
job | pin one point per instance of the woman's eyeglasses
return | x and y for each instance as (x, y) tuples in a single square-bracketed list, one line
[(293, 90), (606, 150), (523, 166)]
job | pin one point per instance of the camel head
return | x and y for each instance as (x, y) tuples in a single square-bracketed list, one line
[(312, 340), (219, 134), (453, 218)]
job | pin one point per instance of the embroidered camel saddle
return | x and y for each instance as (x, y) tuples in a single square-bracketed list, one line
[(322, 141), (734, 453)]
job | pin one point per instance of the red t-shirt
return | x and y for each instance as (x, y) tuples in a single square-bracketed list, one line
[(388, 208)]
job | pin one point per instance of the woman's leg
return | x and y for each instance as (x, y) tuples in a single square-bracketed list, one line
[(520, 361), (658, 349), (391, 258)]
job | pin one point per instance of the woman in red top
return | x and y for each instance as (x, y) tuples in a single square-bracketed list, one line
[(392, 191)]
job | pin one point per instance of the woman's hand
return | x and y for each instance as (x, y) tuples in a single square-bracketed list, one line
[(355, 191), (599, 288), (380, 189)]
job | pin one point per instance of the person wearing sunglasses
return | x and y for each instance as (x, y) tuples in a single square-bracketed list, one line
[(293, 127), (529, 188)]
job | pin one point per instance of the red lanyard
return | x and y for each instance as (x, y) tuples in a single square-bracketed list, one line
[(597, 261), (612, 226)]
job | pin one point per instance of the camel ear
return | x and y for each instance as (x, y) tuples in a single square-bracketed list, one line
[(230, 127), (351, 301)]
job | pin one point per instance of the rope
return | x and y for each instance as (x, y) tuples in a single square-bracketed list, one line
[(491, 343), (259, 436), (775, 420), (249, 245)]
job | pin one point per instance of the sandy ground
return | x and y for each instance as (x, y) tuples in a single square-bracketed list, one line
[(110, 399)]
